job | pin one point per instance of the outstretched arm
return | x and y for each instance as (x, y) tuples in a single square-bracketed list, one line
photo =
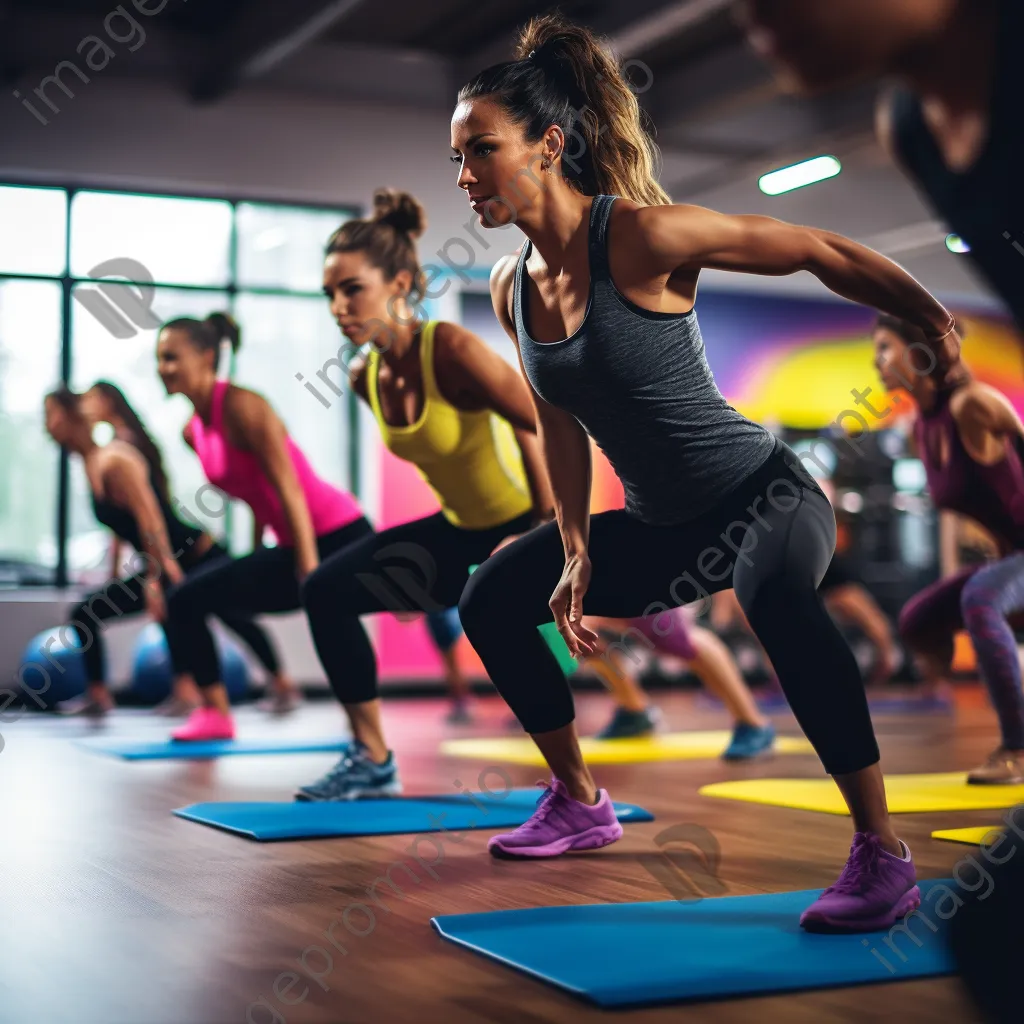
[(692, 237)]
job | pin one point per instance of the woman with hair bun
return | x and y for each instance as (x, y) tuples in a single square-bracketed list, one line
[(246, 452), (600, 303), (462, 416)]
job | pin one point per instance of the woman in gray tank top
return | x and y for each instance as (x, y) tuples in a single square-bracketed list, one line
[(600, 303)]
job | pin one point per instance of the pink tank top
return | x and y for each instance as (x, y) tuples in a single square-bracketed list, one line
[(240, 475)]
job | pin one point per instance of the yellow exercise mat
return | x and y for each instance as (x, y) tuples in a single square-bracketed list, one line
[(906, 794), (971, 836), (673, 746)]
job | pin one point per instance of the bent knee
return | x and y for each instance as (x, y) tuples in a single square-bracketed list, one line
[(317, 588)]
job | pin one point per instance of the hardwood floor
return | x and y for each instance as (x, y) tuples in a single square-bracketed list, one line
[(116, 912)]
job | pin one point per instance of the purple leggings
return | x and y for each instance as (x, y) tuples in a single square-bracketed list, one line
[(667, 632), (980, 600)]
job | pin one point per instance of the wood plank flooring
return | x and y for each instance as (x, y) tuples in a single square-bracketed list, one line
[(115, 912)]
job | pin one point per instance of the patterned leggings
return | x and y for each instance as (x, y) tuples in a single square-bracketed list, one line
[(982, 601)]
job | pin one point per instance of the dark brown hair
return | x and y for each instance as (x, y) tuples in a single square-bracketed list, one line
[(68, 400), (563, 75), (206, 335), (387, 238), (140, 437), (948, 370)]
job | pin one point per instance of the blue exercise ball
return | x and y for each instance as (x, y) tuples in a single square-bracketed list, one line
[(52, 668), (152, 674)]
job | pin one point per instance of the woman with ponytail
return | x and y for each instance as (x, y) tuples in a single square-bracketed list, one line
[(971, 442), (127, 498), (462, 416), (105, 403), (600, 302), (246, 452)]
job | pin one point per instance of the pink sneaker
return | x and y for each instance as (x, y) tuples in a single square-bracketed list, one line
[(560, 824), (205, 724), (874, 891)]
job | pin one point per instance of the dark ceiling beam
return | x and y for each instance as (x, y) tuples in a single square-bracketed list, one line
[(262, 38), (648, 29), (11, 64)]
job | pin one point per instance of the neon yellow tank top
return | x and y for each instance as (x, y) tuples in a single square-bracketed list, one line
[(470, 460)]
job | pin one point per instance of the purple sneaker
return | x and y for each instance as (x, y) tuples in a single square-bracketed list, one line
[(560, 824), (874, 891)]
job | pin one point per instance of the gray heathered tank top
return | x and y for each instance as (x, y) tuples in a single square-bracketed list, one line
[(640, 385)]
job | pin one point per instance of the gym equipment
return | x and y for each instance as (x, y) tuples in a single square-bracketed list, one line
[(266, 822), (970, 836), (166, 749), (152, 673), (679, 746), (906, 794), (52, 668), (639, 954)]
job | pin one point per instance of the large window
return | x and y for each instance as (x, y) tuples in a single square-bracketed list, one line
[(86, 277)]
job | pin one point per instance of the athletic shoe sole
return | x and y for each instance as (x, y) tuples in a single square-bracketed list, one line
[(592, 839), (391, 789), (763, 752), (818, 922), (201, 739)]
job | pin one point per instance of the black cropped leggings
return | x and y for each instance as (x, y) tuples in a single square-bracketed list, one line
[(124, 597), (263, 582), (771, 540), (420, 566)]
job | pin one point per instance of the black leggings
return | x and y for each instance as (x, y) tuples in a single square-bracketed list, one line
[(359, 580), (124, 597), (260, 583), (771, 539)]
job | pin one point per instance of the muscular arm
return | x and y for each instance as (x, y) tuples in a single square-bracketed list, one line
[(692, 238), (251, 418), (985, 418), (472, 375)]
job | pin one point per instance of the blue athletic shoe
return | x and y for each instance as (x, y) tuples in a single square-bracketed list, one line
[(748, 741), (354, 777), (626, 724)]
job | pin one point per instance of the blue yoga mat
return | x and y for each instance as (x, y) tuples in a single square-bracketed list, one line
[(148, 750), (638, 954), (383, 817)]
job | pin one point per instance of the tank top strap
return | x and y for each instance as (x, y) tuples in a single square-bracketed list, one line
[(600, 212), (517, 291), (431, 392), (220, 390), (372, 392)]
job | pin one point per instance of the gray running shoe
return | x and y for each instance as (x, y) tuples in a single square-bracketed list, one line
[(355, 777)]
